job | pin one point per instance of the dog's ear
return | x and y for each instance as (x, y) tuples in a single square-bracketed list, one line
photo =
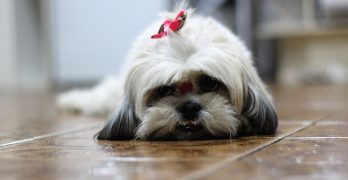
[(121, 124), (260, 111)]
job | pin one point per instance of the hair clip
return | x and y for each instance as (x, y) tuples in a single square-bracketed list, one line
[(173, 25)]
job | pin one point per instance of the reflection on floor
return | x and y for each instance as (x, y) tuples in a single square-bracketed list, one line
[(312, 142)]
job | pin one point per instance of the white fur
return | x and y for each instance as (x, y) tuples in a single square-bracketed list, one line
[(202, 46), (99, 100)]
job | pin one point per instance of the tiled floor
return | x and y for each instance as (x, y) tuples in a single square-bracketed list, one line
[(311, 143)]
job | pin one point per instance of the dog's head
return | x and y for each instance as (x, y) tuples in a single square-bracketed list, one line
[(197, 83)]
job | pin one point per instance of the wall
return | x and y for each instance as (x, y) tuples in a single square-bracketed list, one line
[(23, 66), (8, 76), (93, 37)]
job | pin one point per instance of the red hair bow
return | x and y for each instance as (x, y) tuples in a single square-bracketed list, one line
[(173, 25)]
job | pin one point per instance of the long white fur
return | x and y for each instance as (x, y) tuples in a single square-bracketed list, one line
[(201, 46)]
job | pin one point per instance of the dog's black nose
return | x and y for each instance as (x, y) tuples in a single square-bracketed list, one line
[(189, 110)]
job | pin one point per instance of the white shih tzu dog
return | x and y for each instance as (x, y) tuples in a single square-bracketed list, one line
[(193, 80)]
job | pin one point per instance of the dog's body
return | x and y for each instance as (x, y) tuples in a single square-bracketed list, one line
[(197, 83)]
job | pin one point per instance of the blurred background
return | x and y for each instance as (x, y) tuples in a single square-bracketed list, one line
[(50, 45)]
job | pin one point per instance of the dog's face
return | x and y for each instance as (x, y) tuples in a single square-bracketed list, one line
[(197, 107), (199, 84)]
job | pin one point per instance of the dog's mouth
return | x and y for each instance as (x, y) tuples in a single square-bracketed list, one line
[(189, 125)]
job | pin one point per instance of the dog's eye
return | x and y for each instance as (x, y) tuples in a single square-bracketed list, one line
[(163, 91), (208, 84)]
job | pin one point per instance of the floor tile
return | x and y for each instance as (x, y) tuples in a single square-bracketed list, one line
[(78, 154), (290, 159), (28, 115), (36, 142), (311, 103), (324, 130)]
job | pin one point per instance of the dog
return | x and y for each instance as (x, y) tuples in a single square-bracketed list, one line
[(193, 80)]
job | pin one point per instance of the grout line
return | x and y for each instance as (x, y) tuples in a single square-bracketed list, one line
[(331, 122), (316, 137), (150, 159), (294, 122), (209, 170), (47, 135)]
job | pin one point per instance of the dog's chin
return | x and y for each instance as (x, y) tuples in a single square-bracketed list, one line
[(188, 130), (183, 133), (187, 133), (182, 130)]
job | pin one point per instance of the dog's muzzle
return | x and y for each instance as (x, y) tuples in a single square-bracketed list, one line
[(189, 112)]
